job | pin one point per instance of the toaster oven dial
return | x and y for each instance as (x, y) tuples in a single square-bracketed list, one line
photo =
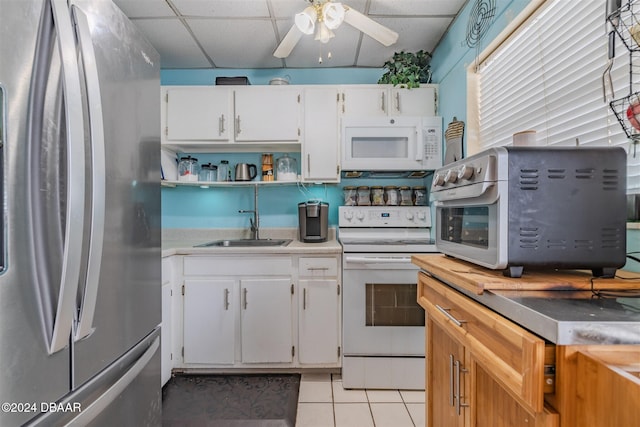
[(451, 176), (466, 172)]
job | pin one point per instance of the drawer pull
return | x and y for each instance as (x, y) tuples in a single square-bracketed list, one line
[(244, 294), (445, 311), (317, 268), (226, 299)]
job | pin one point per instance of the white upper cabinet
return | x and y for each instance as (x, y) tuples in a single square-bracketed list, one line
[(267, 113), (321, 135), (197, 113), (386, 100), (418, 101)]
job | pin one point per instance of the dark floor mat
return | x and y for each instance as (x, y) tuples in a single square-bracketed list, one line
[(230, 401)]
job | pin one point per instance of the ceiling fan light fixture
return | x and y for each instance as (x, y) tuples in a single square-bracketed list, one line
[(324, 34), (332, 14), (306, 20)]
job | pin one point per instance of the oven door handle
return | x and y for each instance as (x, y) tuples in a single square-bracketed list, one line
[(378, 260)]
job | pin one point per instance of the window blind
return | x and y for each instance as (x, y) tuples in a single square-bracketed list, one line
[(547, 77)]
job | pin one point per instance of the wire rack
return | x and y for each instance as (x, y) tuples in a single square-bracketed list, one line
[(626, 22)]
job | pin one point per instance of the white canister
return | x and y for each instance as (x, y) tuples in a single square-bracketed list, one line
[(526, 138)]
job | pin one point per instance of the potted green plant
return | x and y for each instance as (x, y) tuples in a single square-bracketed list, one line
[(407, 69)]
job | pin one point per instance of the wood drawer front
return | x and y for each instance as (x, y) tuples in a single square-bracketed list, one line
[(236, 266), (309, 266), (514, 356)]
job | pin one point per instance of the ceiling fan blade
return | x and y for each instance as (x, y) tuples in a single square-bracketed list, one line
[(370, 27), (288, 42)]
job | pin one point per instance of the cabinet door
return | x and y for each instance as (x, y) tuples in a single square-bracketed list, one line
[(267, 114), (165, 352), (419, 101), (365, 101), (445, 378), (266, 320), (318, 334), (197, 114), (209, 327), (320, 142)]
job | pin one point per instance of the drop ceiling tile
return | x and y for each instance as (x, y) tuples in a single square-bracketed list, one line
[(174, 43), (145, 8), (415, 7), (234, 43), (287, 8), (415, 34), (223, 8)]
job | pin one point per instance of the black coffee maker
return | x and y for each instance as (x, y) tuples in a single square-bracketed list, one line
[(314, 220)]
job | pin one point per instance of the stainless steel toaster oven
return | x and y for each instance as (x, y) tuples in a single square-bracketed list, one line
[(535, 207)]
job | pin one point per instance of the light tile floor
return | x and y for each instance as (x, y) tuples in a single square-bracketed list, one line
[(323, 402)]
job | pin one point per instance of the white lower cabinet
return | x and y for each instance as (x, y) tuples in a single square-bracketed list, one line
[(266, 320), (319, 311), (248, 311), (209, 321)]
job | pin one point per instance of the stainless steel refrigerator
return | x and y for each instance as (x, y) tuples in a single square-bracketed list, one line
[(80, 284)]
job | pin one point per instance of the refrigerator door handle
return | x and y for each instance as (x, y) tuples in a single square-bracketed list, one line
[(97, 406), (72, 251), (98, 174)]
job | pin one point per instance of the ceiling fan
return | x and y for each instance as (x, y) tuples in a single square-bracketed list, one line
[(322, 16)]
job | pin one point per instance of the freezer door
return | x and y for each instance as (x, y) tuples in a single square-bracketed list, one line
[(124, 394), (42, 199), (121, 294)]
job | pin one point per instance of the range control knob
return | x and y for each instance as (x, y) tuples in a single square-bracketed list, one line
[(409, 215), (451, 176), (360, 216), (466, 172), (348, 215), (438, 180), (422, 216)]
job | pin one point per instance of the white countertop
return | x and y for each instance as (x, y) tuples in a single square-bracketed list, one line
[(183, 242)]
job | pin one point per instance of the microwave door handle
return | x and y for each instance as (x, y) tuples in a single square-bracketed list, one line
[(419, 145)]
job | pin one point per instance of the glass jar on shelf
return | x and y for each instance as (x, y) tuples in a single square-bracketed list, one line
[(208, 173), (188, 169), (350, 196), (406, 196), (364, 196), (420, 196), (391, 195), (377, 196)]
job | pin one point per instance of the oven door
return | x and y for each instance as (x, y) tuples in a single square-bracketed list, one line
[(381, 316)]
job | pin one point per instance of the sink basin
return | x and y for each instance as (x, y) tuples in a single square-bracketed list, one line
[(240, 243)]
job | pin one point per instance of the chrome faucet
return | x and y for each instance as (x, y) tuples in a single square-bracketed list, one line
[(255, 221)]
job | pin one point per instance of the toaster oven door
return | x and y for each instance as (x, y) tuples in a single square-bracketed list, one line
[(475, 233)]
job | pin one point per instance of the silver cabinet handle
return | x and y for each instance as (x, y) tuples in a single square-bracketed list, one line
[(226, 299), (221, 125), (72, 250), (459, 403), (445, 311), (318, 268), (308, 163), (98, 181), (451, 389), (237, 125), (304, 298), (244, 297), (398, 101), (382, 103)]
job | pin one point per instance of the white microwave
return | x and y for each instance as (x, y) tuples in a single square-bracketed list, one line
[(391, 143)]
